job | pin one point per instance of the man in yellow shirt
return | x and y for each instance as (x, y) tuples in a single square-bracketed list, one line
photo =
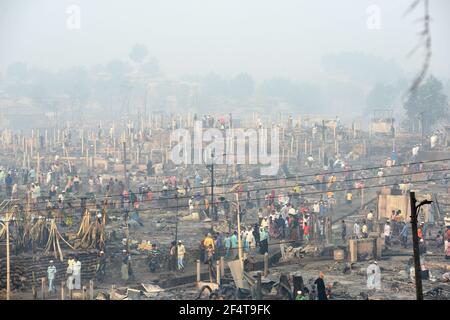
[(209, 241), (349, 197)]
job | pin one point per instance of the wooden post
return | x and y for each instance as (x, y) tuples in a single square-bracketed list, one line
[(43, 287), (198, 272), (266, 264), (91, 289), (353, 246), (218, 272), (33, 286), (222, 266), (62, 290), (239, 231), (258, 286)]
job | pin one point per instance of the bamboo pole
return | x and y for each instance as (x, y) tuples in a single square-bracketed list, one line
[(91, 289), (266, 264), (222, 266), (239, 231), (218, 272), (33, 286), (43, 287), (198, 272)]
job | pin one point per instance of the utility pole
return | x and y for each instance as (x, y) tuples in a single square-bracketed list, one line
[(414, 216), (125, 163), (176, 226), (239, 230), (421, 127), (127, 187), (211, 205), (323, 143), (8, 268), (176, 219)]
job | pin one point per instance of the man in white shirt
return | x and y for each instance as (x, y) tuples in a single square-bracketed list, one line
[(387, 234), (357, 230), (370, 221), (77, 274)]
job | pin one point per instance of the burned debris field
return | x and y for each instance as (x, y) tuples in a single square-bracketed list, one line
[(156, 157)]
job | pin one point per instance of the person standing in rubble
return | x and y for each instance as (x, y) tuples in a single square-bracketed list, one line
[(181, 250), (101, 266), (321, 291), (365, 230), (373, 276), (172, 256), (77, 273), (357, 230), (234, 245), (306, 231), (348, 198), (343, 231), (370, 221), (51, 275), (227, 243), (250, 239), (69, 272), (126, 264), (404, 234), (264, 241), (209, 241), (387, 234)]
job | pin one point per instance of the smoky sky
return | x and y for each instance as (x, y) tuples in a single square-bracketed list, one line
[(287, 38)]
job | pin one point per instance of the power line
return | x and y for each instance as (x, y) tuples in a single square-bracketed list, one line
[(287, 178), (282, 187)]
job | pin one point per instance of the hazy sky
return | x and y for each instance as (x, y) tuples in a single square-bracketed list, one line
[(265, 38)]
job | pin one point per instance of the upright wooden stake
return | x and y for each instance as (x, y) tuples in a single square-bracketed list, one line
[(43, 287), (218, 272), (266, 264), (222, 266), (33, 286), (258, 286), (198, 272), (91, 289), (62, 290)]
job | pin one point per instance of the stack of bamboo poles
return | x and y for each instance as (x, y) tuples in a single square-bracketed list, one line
[(53, 241), (92, 233)]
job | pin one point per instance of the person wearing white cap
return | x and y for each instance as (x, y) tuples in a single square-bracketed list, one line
[(181, 250), (51, 275), (300, 295), (373, 276), (124, 268)]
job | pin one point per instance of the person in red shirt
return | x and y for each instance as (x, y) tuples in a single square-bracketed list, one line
[(306, 231), (419, 233)]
